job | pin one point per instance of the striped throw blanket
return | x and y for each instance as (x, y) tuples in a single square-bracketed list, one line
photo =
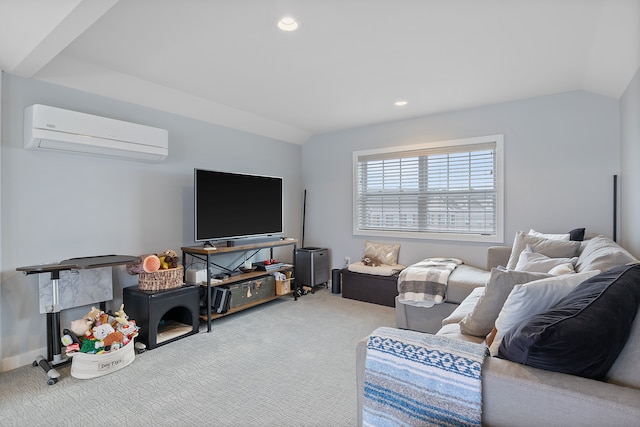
[(425, 283), (417, 379)]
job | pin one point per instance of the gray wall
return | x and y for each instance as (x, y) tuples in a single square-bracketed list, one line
[(58, 206), (630, 172), (561, 152)]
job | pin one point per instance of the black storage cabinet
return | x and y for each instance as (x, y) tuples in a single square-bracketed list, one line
[(312, 266), (152, 310)]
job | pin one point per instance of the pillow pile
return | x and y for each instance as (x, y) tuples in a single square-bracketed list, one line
[(538, 311), (534, 256), (584, 332), (532, 298)]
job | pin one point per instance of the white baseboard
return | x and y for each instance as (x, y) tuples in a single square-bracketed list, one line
[(20, 360)]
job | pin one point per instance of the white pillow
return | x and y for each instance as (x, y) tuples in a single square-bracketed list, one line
[(539, 263), (533, 298), (566, 236), (549, 247), (566, 268)]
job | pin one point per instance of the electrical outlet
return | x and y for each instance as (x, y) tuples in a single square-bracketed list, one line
[(347, 260)]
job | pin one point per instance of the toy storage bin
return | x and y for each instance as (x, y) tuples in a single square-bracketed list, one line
[(86, 365)]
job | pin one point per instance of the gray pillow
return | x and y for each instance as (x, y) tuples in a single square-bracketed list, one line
[(602, 253), (549, 247), (483, 317)]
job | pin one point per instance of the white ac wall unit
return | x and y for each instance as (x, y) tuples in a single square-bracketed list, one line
[(57, 129)]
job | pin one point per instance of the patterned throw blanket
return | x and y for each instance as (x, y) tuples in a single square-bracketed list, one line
[(416, 379), (425, 283)]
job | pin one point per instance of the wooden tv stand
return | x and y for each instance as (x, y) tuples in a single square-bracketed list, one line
[(206, 253)]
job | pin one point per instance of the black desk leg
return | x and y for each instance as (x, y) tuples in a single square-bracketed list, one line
[(208, 279), (54, 344), (296, 292)]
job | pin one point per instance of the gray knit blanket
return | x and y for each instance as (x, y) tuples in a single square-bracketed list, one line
[(417, 379), (425, 283)]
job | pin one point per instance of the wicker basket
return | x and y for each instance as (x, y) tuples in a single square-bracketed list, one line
[(161, 280)]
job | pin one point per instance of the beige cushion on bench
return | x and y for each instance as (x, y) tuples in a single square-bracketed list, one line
[(380, 270)]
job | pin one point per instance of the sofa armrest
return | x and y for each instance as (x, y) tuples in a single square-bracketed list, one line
[(498, 255), (515, 394), (361, 357)]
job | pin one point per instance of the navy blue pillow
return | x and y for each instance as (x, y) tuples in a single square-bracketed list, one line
[(584, 332), (577, 234)]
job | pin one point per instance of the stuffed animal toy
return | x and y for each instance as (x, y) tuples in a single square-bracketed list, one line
[(371, 260), (103, 319), (88, 346), (100, 332), (113, 338), (93, 315), (169, 259), (130, 330), (81, 327), (121, 317), (149, 263)]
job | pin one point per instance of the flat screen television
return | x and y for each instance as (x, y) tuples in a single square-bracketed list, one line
[(233, 205)]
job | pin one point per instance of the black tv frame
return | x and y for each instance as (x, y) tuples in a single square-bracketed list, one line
[(229, 206)]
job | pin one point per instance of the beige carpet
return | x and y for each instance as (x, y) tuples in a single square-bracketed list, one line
[(285, 363)]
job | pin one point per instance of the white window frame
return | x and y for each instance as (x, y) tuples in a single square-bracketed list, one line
[(452, 145)]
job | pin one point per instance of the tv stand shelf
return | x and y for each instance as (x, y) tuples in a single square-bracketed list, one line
[(243, 307), (206, 253)]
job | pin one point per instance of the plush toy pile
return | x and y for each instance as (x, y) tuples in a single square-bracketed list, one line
[(150, 263), (99, 332)]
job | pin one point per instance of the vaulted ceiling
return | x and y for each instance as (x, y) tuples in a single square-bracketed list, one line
[(226, 62)]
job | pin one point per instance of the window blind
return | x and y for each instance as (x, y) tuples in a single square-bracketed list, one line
[(433, 190)]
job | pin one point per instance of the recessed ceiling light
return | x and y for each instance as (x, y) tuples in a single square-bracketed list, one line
[(288, 23), (400, 103)]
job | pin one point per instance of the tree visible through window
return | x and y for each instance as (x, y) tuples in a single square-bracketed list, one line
[(448, 190)]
